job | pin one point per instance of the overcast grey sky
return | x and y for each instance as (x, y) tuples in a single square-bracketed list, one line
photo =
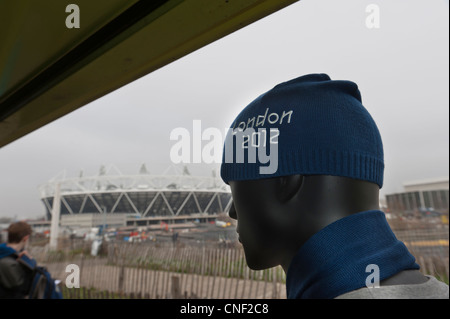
[(402, 70)]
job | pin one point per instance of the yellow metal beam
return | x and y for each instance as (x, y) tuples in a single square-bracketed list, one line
[(34, 35), (169, 32)]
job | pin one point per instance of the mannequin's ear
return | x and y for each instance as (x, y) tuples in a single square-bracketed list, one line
[(288, 186)]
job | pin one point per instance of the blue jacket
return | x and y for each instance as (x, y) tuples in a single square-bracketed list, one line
[(15, 277)]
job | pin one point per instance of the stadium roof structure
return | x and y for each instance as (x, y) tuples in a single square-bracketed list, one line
[(144, 195), (48, 70)]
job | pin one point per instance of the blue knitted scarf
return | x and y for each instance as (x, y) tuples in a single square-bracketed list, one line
[(334, 260)]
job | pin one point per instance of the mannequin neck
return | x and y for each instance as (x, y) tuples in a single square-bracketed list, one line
[(324, 199), (330, 198)]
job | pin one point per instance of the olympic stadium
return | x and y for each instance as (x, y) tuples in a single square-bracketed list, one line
[(143, 198)]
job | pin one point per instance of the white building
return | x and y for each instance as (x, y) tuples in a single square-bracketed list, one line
[(427, 185), (427, 193)]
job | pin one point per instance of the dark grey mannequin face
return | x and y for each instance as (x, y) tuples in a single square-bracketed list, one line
[(253, 231), (264, 229)]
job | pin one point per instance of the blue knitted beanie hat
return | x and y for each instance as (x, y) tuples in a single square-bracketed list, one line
[(311, 125)]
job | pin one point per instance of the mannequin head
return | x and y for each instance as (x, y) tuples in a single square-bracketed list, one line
[(326, 162)]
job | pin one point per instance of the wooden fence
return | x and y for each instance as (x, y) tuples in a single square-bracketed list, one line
[(150, 271), (169, 272)]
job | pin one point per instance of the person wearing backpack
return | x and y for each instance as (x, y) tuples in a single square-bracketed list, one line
[(20, 275), (15, 278)]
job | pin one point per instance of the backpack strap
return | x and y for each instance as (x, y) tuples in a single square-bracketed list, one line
[(27, 262), (39, 284)]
